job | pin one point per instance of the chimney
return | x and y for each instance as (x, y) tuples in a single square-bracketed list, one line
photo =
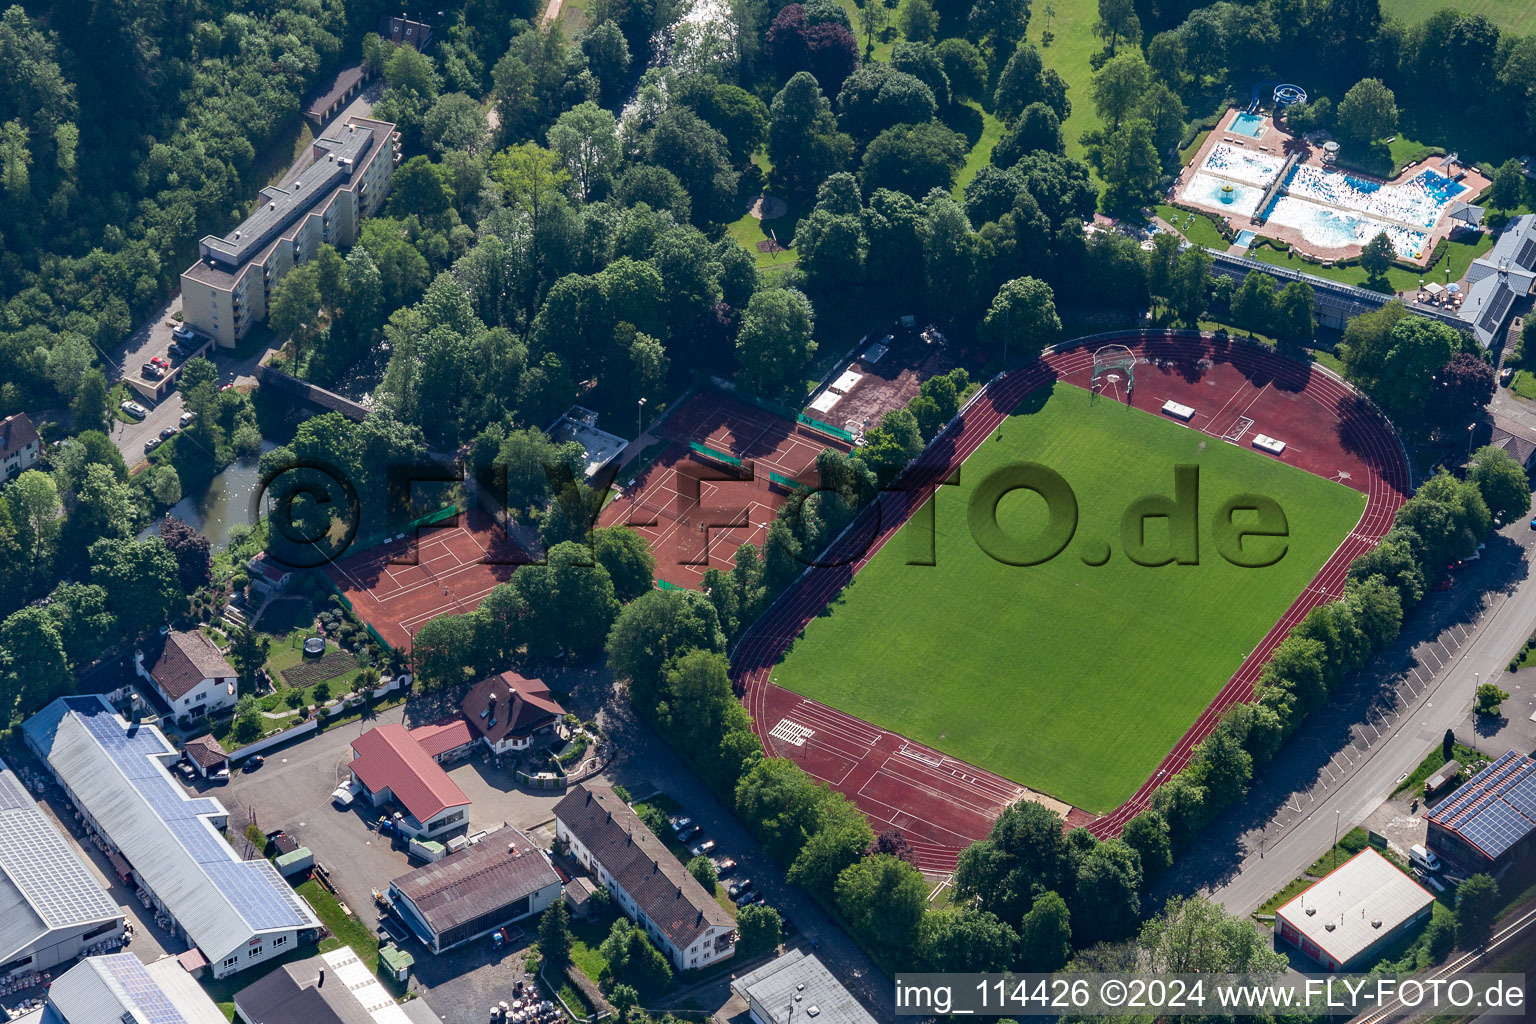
[(320, 982)]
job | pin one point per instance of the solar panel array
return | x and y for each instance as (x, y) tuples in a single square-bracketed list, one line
[(1527, 255), (1496, 309), (1497, 809), (42, 866), (134, 986), (261, 897)]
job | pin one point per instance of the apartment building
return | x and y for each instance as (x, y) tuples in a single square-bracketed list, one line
[(322, 203)]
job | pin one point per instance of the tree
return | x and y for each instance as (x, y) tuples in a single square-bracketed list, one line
[(1118, 86), (1508, 185), (1024, 852), (1477, 905), (248, 725), (1117, 21), (1045, 935), (192, 551), (627, 557), (999, 23), (699, 156), (650, 631), (33, 666), (1020, 84), (1377, 255), (1129, 161), (917, 20), (248, 652), (1502, 482), (570, 601), (1147, 834), (1488, 699), (1293, 320), (555, 936), (624, 997), (1368, 111), (804, 143), (964, 66), (963, 939), (879, 96), (775, 345), (586, 137), (874, 16), (1022, 319), (703, 871), (1253, 307), (1107, 902), (455, 122), (1037, 128), (294, 313), (34, 503), (1466, 387), (914, 159), (883, 899), (89, 404), (759, 928), (140, 579), (1192, 934)]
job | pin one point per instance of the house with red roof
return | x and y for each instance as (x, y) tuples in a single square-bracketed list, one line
[(389, 764), (509, 711), (188, 673)]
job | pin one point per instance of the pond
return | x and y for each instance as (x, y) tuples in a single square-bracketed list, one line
[(222, 503)]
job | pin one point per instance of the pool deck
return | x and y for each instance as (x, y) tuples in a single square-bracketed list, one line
[(1280, 144)]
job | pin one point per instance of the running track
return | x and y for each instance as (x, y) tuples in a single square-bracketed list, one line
[(950, 783)]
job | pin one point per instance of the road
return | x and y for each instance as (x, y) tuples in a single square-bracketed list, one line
[(1479, 649)]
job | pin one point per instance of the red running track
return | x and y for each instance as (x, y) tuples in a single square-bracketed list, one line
[(943, 805)]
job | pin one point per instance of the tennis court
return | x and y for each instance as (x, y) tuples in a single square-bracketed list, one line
[(716, 486), (427, 572)]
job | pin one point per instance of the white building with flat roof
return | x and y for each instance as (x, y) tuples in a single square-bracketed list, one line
[(798, 987), (1354, 912)]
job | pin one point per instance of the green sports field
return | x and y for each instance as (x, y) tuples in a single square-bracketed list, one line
[(1067, 678)]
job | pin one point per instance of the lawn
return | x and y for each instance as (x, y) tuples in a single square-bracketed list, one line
[(1452, 265), (1517, 18), (1070, 53), (1069, 679), (1431, 764), (1524, 384), (985, 140), (1196, 227)]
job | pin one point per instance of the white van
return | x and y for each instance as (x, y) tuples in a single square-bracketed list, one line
[(1422, 858)]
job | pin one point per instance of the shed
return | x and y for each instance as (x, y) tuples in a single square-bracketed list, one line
[(1442, 778), (397, 962), (1354, 913), (295, 861)]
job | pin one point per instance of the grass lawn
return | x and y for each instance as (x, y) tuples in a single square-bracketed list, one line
[(748, 231), (1518, 18), (1069, 679), (119, 394), (1069, 53), (586, 937), (1523, 383), (1325, 358), (1458, 257), (990, 131), (1193, 226)]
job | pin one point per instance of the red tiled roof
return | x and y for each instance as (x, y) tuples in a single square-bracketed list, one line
[(186, 658), (388, 758), (206, 751), (446, 736), (509, 705)]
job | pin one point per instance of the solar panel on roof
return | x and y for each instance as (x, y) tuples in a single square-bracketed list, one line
[(1527, 255), (135, 986), (13, 795)]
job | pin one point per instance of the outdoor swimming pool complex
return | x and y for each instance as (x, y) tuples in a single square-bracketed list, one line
[(1330, 208), (1251, 125)]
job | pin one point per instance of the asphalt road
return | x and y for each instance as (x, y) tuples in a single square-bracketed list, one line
[(1474, 649)]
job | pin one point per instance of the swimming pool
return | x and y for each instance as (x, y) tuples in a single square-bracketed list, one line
[(1251, 125), (1418, 201), (1240, 165), (1245, 238), (1206, 190), (1339, 229)]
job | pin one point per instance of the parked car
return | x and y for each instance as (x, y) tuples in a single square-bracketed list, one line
[(184, 333), (1444, 584), (169, 432), (1505, 375), (739, 887), (688, 833), (1419, 857), (680, 822), (152, 444), (254, 762), (741, 899), (187, 417), (703, 849), (151, 371), (724, 866), (138, 412), (161, 361)]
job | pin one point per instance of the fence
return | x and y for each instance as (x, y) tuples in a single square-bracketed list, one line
[(310, 725)]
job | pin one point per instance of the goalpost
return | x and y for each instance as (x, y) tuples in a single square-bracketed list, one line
[(1111, 362)]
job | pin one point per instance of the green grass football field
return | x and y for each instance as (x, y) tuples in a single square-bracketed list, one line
[(1070, 679)]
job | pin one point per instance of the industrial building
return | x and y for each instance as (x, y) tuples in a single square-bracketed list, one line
[(392, 764), (52, 908), (606, 837), (798, 987), (332, 988), (119, 989), (237, 913), (322, 203), (1490, 822), (1501, 278), (1354, 913), (499, 880)]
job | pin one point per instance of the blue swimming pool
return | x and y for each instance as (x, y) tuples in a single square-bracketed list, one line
[(1251, 125), (1245, 238)]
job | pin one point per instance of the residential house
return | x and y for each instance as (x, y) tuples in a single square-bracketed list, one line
[(20, 447), (187, 671)]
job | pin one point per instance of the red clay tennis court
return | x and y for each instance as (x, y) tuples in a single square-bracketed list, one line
[(696, 507), (430, 571)]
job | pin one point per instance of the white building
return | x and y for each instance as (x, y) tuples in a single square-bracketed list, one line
[(796, 987), (653, 887), (237, 913), (117, 989), (188, 673), (52, 909), (20, 447), (1354, 912)]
